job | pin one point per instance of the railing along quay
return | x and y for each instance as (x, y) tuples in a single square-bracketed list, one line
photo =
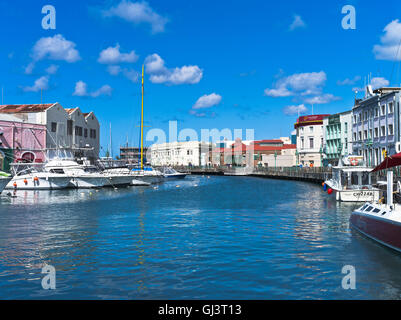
[(315, 175)]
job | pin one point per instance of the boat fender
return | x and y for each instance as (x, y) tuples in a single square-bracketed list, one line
[(25, 181), (15, 185)]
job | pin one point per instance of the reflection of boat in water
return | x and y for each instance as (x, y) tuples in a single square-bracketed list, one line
[(35, 178), (5, 178), (170, 173), (352, 183), (381, 220)]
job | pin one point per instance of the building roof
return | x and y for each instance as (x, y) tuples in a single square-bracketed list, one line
[(310, 120), (70, 110), (25, 108), (269, 141)]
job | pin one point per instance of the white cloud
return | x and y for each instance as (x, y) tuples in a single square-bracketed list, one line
[(297, 23), (137, 13), (291, 110), (389, 49), (298, 84), (207, 101), (159, 73), (40, 84), (130, 74), (322, 99), (379, 82), (55, 48), (348, 81), (29, 68), (112, 55), (81, 90), (114, 70), (52, 69)]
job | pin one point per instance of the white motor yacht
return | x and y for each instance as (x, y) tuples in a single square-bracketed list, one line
[(352, 182), (34, 178), (148, 174), (118, 176), (82, 176), (171, 173)]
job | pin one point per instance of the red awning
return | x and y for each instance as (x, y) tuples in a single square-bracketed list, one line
[(389, 162)]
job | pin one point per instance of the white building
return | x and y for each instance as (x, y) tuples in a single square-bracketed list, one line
[(180, 153), (287, 158), (376, 124), (310, 140)]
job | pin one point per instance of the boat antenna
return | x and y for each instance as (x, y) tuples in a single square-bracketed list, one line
[(143, 68)]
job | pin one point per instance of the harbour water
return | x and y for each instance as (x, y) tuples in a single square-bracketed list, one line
[(199, 238)]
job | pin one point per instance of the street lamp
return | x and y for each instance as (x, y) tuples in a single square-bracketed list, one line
[(275, 159)]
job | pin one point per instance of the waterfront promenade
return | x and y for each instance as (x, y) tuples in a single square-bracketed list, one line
[(315, 175)]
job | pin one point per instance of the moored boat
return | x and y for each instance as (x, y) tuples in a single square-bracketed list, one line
[(352, 182), (36, 180), (81, 176), (381, 220), (170, 173)]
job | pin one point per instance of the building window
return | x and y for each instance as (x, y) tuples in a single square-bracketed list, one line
[(390, 130), (345, 127), (69, 127), (376, 132), (54, 126), (383, 109), (376, 112), (310, 129), (311, 143), (360, 135), (302, 129), (365, 134), (78, 131), (354, 118), (302, 143), (85, 133), (92, 133), (354, 136), (383, 131), (390, 107)]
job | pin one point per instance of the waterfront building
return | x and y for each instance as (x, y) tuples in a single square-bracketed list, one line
[(309, 130), (337, 140), (255, 153), (285, 157), (376, 124), (20, 141), (186, 153), (83, 133), (65, 128)]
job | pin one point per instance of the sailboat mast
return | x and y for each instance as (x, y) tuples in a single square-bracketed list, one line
[(143, 66)]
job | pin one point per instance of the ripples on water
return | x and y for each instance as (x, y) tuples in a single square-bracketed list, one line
[(209, 238)]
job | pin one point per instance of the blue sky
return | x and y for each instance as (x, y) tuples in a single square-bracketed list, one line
[(209, 64)]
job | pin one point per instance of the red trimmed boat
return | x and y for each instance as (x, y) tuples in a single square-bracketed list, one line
[(381, 220)]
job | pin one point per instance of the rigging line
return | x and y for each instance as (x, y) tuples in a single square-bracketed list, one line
[(395, 61)]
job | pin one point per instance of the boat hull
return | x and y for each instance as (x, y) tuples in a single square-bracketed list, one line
[(118, 180), (3, 182), (152, 179), (43, 182), (357, 195), (384, 231), (88, 182), (175, 176)]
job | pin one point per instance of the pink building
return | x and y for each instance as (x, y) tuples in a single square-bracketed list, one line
[(20, 140)]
